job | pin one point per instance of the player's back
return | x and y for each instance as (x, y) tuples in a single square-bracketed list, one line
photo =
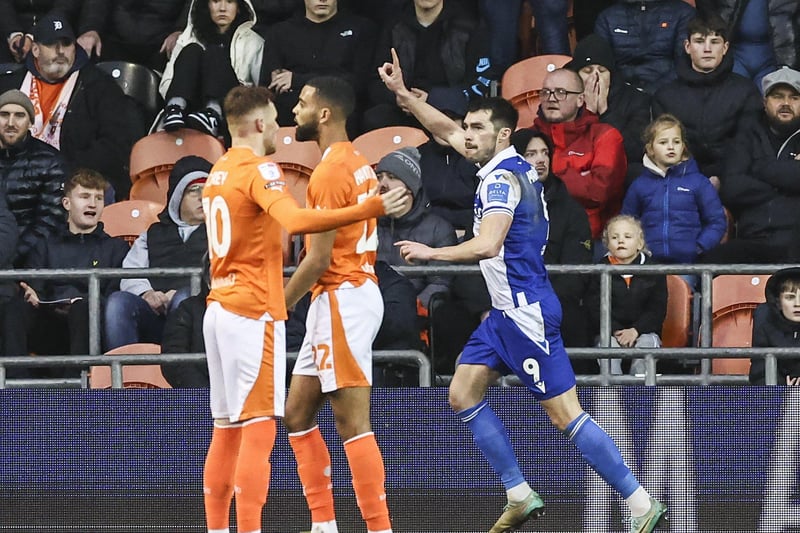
[(344, 177), (244, 240)]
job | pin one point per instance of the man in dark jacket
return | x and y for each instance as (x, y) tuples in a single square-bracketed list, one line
[(609, 96), (320, 42), (78, 109), (18, 18), (55, 312), (137, 312), (647, 38), (761, 186), (32, 174), (442, 51), (401, 169), (711, 101), (776, 324)]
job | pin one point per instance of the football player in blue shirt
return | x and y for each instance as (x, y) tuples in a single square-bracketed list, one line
[(522, 332)]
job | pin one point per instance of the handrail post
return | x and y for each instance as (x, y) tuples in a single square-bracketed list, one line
[(605, 323), (116, 375), (649, 370), (705, 322), (770, 370), (94, 314)]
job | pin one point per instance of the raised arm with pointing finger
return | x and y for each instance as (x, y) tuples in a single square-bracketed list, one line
[(431, 118)]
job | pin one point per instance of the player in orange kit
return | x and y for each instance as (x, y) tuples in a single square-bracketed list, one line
[(335, 360), (246, 202)]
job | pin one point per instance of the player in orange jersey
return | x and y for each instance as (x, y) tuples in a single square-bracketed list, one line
[(335, 360), (246, 202)]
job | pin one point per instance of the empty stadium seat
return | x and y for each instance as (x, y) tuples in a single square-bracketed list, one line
[(734, 298), (677, 328), (137, 81), (128, 219), (153, 157), (133, 376), (377, 143), (522, 83)]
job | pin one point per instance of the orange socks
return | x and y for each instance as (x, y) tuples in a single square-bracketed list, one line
[(314, 469), (252, 472), (238, 455), (369, 477), (218, 475)]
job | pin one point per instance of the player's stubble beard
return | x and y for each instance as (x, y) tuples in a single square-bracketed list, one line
[(307, 132)]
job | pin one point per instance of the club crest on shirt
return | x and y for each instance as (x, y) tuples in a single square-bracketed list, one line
[(269, 171), (497, 192)]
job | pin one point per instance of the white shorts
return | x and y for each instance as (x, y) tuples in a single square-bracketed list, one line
[(340, 328), (246, 365)]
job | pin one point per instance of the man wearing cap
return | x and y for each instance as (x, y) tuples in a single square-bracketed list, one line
[(138, 311), (401, 169), (711, 100), (762, 170), (31, 172), (609, 96), (78, 109)]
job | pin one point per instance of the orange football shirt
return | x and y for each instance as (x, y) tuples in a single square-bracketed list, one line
[(344, 178)]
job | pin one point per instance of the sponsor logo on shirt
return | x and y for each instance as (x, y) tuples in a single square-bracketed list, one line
[(498, 192), (683, 189), (269, 171)]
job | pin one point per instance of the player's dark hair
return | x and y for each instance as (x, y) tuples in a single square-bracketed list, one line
[(336, 93), (241, 101), (501, 113)]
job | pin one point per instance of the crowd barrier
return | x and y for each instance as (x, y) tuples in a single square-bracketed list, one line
[(704, 352)]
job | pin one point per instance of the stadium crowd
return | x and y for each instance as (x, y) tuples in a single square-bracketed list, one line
[(684, 115)]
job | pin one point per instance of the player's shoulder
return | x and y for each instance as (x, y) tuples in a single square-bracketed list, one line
[(340, 158)]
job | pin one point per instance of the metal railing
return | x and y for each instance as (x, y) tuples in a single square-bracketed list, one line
[(704, 352)]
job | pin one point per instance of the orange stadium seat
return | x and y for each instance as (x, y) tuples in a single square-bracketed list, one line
[(128, 219), (677, 327), (522, 82), (377, 143), (733, 301), (297, 161), (133, 376), (153, 157)]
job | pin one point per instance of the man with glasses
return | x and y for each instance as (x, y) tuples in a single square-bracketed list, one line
[(138, 311), (588, 156)]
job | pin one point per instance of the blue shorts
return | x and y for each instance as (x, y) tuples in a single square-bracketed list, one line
[(526, 341)]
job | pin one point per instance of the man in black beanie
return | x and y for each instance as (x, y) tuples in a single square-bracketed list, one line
[(401, 169)]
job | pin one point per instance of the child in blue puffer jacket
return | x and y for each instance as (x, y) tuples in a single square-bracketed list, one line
[(679, 208)]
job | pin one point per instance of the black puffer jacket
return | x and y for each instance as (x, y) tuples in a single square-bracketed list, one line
[(8, 244), (33, 175), (100, 125), (641, 305), (64, 249), (629, 112), (761, 186), (647, 37), (771, 329), (133, 21), (713, 107)]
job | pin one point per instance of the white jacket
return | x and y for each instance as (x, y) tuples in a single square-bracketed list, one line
[(247, 47)]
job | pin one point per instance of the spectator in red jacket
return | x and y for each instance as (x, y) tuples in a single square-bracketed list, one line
[(589, 156)]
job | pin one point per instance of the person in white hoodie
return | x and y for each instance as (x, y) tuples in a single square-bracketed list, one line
[(217, 51)]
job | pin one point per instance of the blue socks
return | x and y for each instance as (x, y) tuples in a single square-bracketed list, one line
[(492, 438), (602, 454)]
